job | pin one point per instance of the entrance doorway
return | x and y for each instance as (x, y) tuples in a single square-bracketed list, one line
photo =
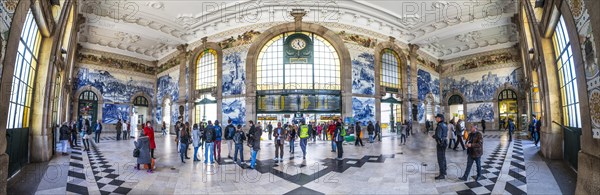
[(456, 106), (206, 108), (166, 113), (508, 108), (139, 112), (391, 113), (88, 107)]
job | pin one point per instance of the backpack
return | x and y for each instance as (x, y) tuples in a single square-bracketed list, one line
[(303, 131), (237, 138), (343, 133), (230, 132), (209, 134)]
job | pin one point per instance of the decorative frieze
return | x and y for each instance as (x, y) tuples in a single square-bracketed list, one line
[(115, 63)]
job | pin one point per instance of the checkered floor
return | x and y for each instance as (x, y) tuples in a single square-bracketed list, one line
[(76, 180), (105, 174), (517, 182)]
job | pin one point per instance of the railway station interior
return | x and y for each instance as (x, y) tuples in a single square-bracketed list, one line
[(90, 90)]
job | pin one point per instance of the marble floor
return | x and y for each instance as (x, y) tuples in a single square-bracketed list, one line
[(385, 167)]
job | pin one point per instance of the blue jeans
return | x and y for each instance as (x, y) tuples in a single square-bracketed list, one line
[(209, 148), (371, 138), (303, 143), (333, 146), (182, 150), (196, 153), (240, 148), (470, 164), (253, 160), (292, 146)]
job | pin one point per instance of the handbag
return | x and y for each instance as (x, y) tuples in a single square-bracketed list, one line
[(136, 152)]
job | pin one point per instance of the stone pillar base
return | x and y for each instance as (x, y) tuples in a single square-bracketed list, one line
[(41, 148), (588, 174), (3, 173), (551, 145)]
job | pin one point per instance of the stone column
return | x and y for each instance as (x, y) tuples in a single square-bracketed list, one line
[(183, 87), (413, 98), (550, 134)]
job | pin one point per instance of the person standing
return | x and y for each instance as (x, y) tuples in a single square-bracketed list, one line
[(149, 131), (459, 130), (279, 135), (378, 131), (292, 137), (532, 127), (196, 141), (358, 133), (229, 133), (254, 134), (209, 139), (184, 140), (163, 128), (404, 133), (218, 138), (238, 139), (119, 128), (143, 145), (86, 130), (338, 137), (128, 129), (98, 131), (73, 128), (270, 130), (64, 137), (511, 129), (474, 152), (483, 125), (440, 136), (320, 130), (125, 130), (451, 133), (331, 131), (303, 135), (538, 126), (371, 131)]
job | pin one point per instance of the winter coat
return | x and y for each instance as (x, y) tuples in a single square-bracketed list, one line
[(119, 127), (279, 133), (337, 134), (64, 132), (143, 144), (149, 131), (196, 137), (476, 141), (370, 129), (451, 133)]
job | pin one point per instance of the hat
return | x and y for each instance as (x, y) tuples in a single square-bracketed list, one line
[(439, 115)]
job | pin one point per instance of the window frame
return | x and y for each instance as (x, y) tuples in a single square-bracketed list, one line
[(387, 72), (206, 70), (565, 68)]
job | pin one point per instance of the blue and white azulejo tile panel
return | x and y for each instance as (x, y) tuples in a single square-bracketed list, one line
[(363, 109)]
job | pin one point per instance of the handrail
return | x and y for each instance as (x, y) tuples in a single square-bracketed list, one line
[(564, 126)]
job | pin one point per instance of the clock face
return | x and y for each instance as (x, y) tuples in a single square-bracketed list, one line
[(298, 44)]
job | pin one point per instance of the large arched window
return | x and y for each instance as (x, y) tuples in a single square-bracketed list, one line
[(390, 70), (19, 111), (206, 70), (274, 74), (567, 75)]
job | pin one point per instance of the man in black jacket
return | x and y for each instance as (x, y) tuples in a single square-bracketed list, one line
[(254, 142), (440, 136)]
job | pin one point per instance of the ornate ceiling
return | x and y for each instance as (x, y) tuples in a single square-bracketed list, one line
[(151, 30)]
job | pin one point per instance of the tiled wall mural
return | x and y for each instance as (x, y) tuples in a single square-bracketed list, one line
[(114, 87), (234, 73), (481, 86), (427, 83), (363, 73), (234, 109), (363, 109), (111, 113), (483, 61), (243, 39), (592, 70), (477, 111), (167, 87), (115, 63), (358, 39), (7, 9)]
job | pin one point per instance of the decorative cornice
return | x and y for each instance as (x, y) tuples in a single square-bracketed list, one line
[(175, 61), (168, 71), (478, 61), (109, 62), (454, 60), (358, 47), (117, 56)]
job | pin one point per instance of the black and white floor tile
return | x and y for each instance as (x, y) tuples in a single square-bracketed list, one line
[(76, 180), (105, 174), (517, 182)]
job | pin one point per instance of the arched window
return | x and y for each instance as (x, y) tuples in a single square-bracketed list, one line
[(206, 70), (19, 111), (567, 75), (88, 95), (455, 100), (507, 95), (322, 73), (390, 71), (140, 101)]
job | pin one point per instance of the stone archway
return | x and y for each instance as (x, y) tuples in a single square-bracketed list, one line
[(520, 102), (76, 100), (405, 78), (150, 104), (447, 106), (331, 36)]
